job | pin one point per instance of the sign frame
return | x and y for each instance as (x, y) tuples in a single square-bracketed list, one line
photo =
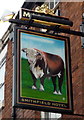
[(36, 103)]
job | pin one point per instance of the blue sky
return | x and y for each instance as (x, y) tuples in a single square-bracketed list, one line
[(50, 45)]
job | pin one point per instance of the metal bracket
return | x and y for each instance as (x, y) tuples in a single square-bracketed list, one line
[(30, 22), (55, 29)]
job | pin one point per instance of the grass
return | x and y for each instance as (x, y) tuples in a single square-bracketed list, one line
[(27, 82)]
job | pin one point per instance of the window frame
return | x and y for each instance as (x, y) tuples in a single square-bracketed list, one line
[(3, 54)]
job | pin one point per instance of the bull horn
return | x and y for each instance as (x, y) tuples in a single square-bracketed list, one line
[(24, 49)]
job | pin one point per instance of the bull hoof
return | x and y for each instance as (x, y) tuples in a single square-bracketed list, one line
[(55, 92), (34, 87), (59, 93), (41, 88)]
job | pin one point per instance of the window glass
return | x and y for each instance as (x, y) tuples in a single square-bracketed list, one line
[(82, 30), (53, 4), (50, 115), (56, 116), (2, 73)]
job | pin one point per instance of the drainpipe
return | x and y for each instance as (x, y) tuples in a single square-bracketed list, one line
[(14, 113), (11, 37)]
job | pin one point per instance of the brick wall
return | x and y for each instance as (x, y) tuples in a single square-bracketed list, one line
[(25, 113), (8, 110), (73, 10)]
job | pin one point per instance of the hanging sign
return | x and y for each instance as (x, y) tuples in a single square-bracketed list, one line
[(46, 19), (42, 73)]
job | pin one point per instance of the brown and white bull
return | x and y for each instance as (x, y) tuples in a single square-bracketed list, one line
[(45, 65)]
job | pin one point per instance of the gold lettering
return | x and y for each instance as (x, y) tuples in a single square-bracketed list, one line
[(59, 105), (26, 14), (48, 103), (34, 101), (22, 99)]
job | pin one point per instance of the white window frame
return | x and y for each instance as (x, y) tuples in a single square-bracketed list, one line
[(55, 5), (3, 54), (82, 30)]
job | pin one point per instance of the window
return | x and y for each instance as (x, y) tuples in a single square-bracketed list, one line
[(2, 74), (82, 30), (50, 116), (54, 4)]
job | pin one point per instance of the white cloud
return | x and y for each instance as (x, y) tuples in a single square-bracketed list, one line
[(39, 39)]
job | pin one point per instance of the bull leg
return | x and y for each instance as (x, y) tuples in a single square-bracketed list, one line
[(34, 85), (54, 84), (60, 81), (42, 84), (34, 81)]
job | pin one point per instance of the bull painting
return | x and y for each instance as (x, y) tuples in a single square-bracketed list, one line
[(45, 65)]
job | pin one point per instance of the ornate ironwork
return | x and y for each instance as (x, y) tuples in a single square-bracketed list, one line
[(44, 9)]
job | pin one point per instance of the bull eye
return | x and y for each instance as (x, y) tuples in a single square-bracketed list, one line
[(38, 53)]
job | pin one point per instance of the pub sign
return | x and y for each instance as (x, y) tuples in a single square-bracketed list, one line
[(42, 71)]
